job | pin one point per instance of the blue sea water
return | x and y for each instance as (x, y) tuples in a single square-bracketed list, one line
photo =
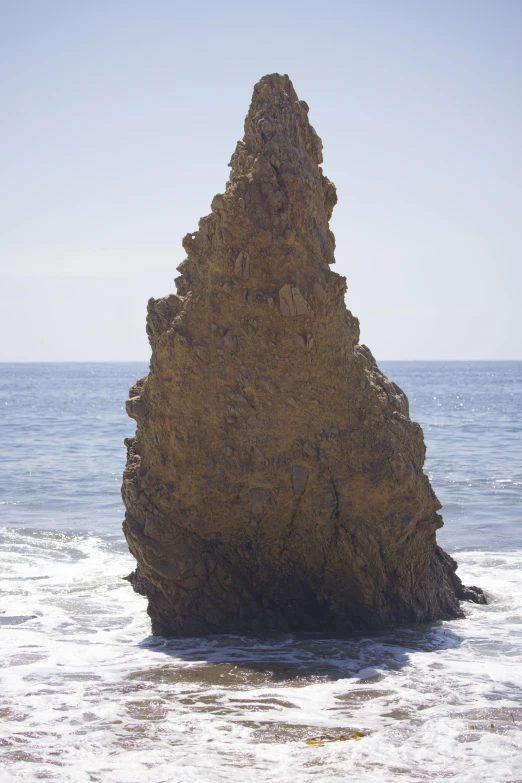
[(88, 695)]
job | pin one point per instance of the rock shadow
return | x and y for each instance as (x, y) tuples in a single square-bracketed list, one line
[(266, 659)]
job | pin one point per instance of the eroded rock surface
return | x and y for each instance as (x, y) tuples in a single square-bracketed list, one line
[(275, 480)]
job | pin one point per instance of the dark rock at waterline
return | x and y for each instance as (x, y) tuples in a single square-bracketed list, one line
[(275, 480), (472, 593), (136, 579)]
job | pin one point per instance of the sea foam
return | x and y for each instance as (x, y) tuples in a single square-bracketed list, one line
[(89, 695)]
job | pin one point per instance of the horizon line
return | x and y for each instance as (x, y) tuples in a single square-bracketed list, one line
[(147, 361)]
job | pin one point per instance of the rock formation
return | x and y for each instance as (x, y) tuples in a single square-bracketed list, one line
[(275, 480)]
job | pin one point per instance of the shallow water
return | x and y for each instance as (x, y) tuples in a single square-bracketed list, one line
[(88, 695)]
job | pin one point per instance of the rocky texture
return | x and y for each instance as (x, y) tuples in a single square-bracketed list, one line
[(275, 480)]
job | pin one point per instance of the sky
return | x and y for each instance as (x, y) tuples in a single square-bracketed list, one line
[(119, 118)]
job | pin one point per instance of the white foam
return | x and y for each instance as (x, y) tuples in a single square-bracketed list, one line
[(88, 695)]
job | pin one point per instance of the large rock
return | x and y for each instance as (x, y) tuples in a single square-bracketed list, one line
[(275, 480)]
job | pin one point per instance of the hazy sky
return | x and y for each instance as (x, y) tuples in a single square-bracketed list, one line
[(119, 119)]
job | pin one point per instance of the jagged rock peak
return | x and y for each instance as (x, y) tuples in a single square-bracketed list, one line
[(276, 114), (277, 203)]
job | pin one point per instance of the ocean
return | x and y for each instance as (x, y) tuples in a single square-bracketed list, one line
[(89, 696)]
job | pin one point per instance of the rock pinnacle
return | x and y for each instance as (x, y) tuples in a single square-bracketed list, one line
[(275, 479)]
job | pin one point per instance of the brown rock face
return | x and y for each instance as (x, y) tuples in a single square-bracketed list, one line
[(275, 480)]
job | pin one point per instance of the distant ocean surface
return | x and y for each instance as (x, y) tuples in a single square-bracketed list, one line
[(89, 696)]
